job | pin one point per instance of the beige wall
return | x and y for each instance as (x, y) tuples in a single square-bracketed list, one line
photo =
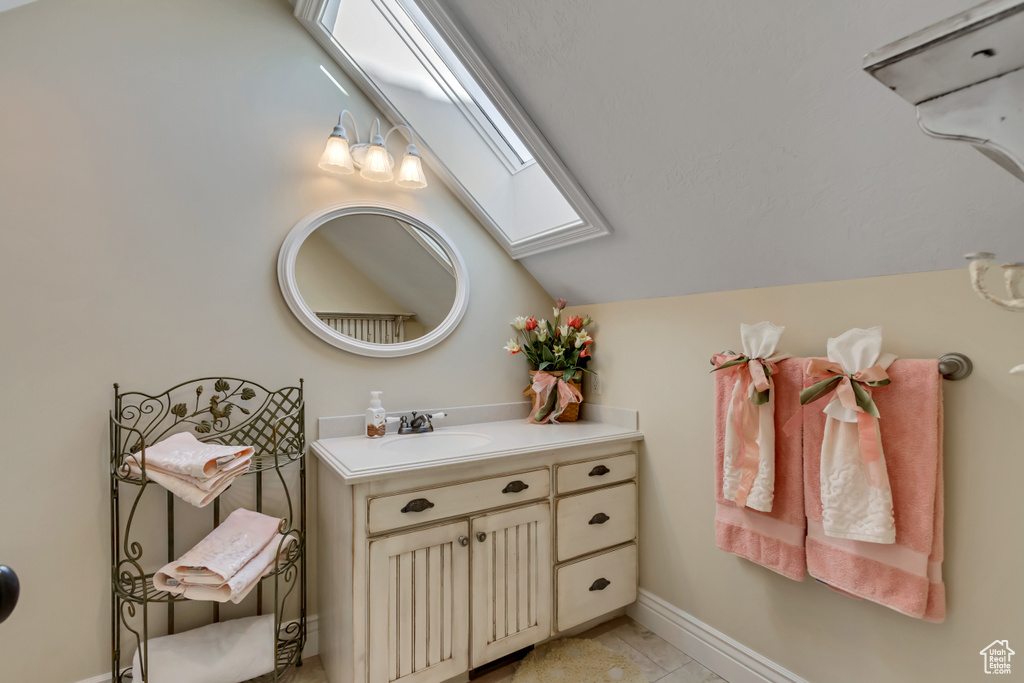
[(153, 156), (652, 355), (330, 282)]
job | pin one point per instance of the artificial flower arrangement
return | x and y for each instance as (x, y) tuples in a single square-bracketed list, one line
[(558, 355)]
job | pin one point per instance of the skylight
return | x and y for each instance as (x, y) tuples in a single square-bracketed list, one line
[(469, 129)]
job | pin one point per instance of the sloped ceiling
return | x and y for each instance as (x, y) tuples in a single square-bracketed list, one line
[(736, 144)]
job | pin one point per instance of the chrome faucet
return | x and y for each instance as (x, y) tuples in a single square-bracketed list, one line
[(419, 424)]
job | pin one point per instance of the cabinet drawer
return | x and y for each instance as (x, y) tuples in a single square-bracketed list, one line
[(595, 586), (426, 505), (584, 475), (598, 519)]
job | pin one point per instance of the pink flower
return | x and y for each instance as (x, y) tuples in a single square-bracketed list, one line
[(531, 324), (585, 353), (575, 321), (561, 303)]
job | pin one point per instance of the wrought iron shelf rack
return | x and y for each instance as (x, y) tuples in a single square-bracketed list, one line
[(222, 410)]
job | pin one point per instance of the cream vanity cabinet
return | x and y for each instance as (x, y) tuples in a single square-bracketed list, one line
[(432, 571)]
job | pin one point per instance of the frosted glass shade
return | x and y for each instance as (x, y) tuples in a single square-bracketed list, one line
[(377, 165), (410, 173), (337, 158)]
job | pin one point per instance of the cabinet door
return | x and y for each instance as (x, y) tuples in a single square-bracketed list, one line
[(511, 581), (419, 605)]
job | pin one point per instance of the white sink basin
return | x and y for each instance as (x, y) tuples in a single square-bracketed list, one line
[(436, 441)]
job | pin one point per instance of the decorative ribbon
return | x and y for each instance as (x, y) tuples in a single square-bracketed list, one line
[(550, 388), (854, 393), (747, 371)]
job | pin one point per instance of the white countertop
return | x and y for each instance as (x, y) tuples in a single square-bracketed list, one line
[(358, 458)]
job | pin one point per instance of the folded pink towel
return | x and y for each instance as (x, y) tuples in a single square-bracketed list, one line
[(771, 539), (183, 453), (906, 575), (229, 561), (194, 471)]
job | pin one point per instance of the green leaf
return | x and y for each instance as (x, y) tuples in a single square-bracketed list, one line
[(543, 366), (548, 356), (179, 409), (221, 385), (864, 400), (760, 397), (204, 427), (248, 393), (819, 389)]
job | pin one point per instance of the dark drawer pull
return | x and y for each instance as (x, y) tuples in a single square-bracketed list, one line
[(600, 584), (599, 518), (599, 471), (418, 505), (515, 487)]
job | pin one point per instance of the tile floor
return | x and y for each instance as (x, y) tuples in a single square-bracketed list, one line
[(658, 660)]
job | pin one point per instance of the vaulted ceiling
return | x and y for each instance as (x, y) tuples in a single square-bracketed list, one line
[(737, 144)]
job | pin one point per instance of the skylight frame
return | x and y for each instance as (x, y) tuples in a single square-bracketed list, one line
[(516, 225), (450, 73)]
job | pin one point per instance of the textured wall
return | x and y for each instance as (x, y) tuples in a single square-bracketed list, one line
[(653, 355), (154, 156), (739, 144)]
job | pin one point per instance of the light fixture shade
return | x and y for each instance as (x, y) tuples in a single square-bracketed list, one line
[(377, 165), (410, 173), (337, 158)]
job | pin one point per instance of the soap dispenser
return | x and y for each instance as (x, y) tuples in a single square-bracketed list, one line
[(375, 417)]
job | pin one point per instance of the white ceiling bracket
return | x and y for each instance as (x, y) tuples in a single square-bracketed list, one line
[(966, 76)]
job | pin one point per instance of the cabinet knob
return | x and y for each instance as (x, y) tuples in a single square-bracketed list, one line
[(463, 541), (418, 505), (515, 487), (599, 518), (600, 584), (599, 471), (481, 536)]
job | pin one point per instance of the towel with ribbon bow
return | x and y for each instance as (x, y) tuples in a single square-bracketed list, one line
[(855, 494), (748, 477)]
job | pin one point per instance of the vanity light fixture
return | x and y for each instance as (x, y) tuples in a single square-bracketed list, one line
[(372, 158)]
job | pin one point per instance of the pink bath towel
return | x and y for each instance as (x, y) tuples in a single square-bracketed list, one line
[(771, 539), (906, 575)]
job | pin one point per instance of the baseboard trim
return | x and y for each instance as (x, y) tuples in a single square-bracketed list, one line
[(312, 648), (729, 659)]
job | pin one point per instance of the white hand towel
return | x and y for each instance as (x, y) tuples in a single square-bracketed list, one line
[(851, 507), (227, 652), (759, 341)]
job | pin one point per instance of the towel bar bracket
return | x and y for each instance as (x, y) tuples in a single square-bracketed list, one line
[(955, 366)]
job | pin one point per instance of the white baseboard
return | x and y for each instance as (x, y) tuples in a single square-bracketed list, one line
[(729, 659), (312, 648)]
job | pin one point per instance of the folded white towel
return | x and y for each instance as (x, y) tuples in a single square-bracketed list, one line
[(238, 586), (228, 652)]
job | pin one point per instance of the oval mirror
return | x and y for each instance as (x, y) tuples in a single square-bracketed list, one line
[(373, 279)]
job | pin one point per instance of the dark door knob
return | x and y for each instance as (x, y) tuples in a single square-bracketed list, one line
[(481, 536), (600, 584), (9, 590), (599, 518), (599, 471)]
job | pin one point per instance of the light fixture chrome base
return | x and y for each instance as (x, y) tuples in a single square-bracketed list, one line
[(359, 150)]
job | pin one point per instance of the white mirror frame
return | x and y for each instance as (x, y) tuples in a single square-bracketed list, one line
[(289, 287)]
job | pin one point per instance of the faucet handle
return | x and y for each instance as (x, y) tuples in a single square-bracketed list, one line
[(438, 416)]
